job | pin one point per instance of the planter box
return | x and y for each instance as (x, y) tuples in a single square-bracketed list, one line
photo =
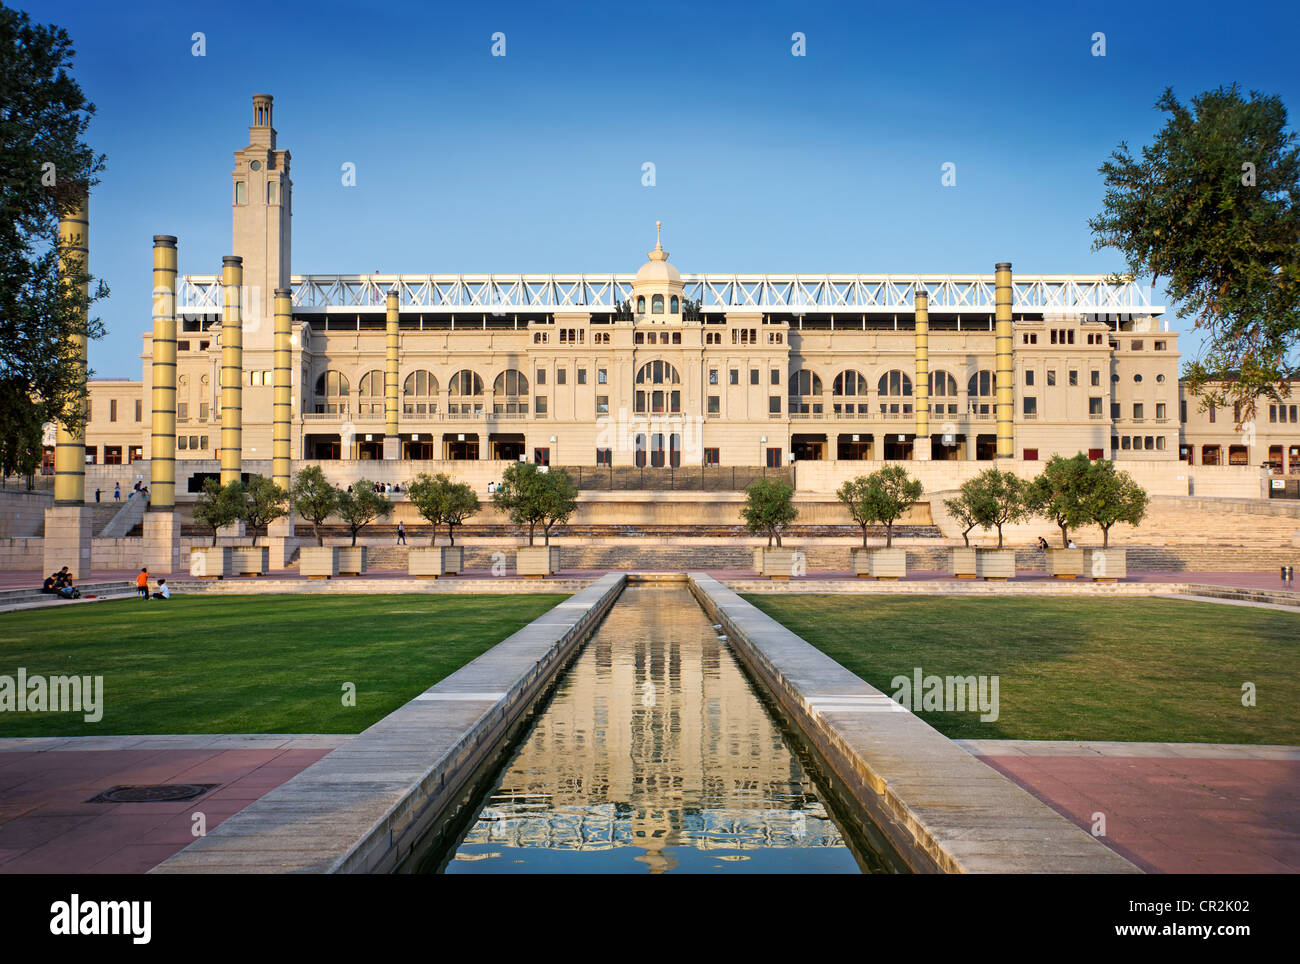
[(776, 563), (1107, 565), (319, 562), (352, 560), (1064, 563), (250, 560), (995, 563), (879, 563), (537, 562), (211, 562), (962, 564), (430, 562)]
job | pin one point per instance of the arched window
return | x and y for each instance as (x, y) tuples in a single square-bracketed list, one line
[(654, 399), (943, 393), (332, 393), (805, 393), (895, 385), (657, 305), (510, 393), (640, 304), (850, 385), (981, 388), (673, 305), (370, 393), (466, 393), (420, 393)]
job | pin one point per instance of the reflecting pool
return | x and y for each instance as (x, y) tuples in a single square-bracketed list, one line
[(655, 754)]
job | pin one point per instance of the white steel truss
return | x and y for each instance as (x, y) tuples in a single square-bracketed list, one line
[(775, 293)]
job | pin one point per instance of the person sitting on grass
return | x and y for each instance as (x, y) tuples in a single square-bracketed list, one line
[(164, 591), (142, 584)]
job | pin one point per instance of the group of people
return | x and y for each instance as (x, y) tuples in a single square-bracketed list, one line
[(1042, 544), (139, 489), (384, 488), (60, 584), (142, 587)]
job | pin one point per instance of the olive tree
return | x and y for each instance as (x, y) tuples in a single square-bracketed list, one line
[(997, 499), (218, 505), (263, 502), (362, 506), (1112, 496), (769, 508), (1057, 493), (882, 496), (314, 498)]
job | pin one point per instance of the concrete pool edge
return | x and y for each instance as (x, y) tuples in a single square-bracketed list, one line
[(941, 808), (364, 806)]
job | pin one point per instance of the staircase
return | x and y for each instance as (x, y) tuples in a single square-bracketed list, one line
[(126, 518)]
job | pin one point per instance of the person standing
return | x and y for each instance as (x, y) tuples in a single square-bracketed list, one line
[(97, 495), (401, 534), (117, 491), (142, 584)]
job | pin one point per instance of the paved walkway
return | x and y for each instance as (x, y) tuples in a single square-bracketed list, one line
[(47, 825), (1170, 807)]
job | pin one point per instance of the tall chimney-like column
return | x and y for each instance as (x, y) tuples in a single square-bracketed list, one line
[(392, 443), (282, 414), (70, 446), (232, 369), (921, 393), (1005, 361), (162, 452)]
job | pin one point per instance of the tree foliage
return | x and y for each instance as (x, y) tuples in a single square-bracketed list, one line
[(362, 506), (218, 505), (313, 498), (45, 166), (1058, 493), (443, 502), (263, 503), (962, 508), (769, 508), (883, 496), (530, 497), (1213, 208), (1112, 496), (996, 499)]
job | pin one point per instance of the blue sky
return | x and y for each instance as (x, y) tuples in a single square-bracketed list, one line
[(532, 162)]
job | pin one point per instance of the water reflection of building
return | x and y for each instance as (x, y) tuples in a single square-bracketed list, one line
[(655, 739)]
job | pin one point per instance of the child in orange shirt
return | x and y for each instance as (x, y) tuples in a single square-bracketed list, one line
[(142, 584)]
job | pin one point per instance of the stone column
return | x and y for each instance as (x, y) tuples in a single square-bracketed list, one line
[(1005, 361), (68, 523), (160, 528), (280, 532), (392, 444), (232, 375), (921, 393)]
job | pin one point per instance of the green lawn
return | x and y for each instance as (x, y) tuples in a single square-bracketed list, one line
[(1073, 669), (253, 664)]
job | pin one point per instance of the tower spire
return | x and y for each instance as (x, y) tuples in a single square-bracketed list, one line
[(658, 254)]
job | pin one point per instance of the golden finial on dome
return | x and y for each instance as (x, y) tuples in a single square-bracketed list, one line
[(658, 254)]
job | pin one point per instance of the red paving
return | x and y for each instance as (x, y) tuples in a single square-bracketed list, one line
[(46, 825), (1176, 815)]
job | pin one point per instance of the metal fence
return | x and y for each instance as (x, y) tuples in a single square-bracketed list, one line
[(683, 479)]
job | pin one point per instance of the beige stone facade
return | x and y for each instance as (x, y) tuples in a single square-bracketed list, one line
[(653, 378)]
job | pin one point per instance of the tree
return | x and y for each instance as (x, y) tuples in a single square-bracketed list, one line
[(1057, 493), (47, 168), (362, 506), (263, 503), (218, 505), (314, 498), (964, 508), (996, 498), (769, 508), (559, 499), (519, 496), (882, 496), (1213, 207), (443, 502), (1112, 497)]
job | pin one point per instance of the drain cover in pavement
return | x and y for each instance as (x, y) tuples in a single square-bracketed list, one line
[(155, 793)]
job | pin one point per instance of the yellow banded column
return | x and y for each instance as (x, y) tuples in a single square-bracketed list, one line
[(282, 414), (392, 443), (232, 369), (921, 444), (68, 528), (160, 542), (1005, 361)]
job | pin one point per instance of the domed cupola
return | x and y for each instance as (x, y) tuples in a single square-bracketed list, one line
[(657, 289)]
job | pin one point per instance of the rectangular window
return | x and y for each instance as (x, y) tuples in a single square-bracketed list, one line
[(604, 456), (713, 376), (1211, 414), (711, 457), (1031, 455), (139, 409), (1029, 377), (182, 442), (602, 404), (776, 377), (602, 377), (774, 405), (1182, 411), (1137, 410), (112, 455), (1136, 344), (1031, 405), (541, 376), (773, 458), (1160, 443), (241, 192), (715, 406), (1051, 377), (582, 376), (753, 376), (539, 404), (272, 194), (735, 377), (203, 441), (1114, 410), (1160, 409), (1096, 379), (561, 376), (541, 456), (1094, 405), (1293, 412), (203, 411), (112, 410), (1160, 346), (1124, 442), (1074, 377), (1272, 413)]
